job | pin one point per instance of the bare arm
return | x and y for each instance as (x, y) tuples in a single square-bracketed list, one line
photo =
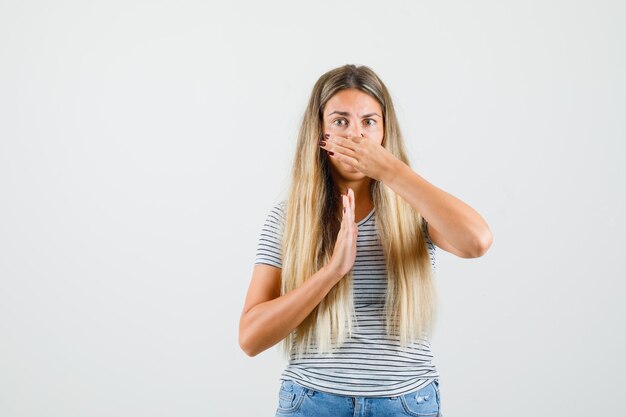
[(452, 224), (268, 317)]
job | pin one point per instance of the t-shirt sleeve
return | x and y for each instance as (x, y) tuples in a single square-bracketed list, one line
[(432, 252), (269, 246)]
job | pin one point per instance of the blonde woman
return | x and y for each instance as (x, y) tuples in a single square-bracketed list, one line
[(344, 268)]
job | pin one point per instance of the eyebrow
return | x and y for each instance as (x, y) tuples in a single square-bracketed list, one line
[(345, 113)]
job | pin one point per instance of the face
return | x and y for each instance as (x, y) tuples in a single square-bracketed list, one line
[(351, 112)]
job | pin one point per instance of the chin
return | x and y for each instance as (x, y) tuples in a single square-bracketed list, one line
[(352, 174), (349, 169), (348, 172)]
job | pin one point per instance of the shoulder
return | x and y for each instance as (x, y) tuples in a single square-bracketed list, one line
[(281, 205), (280, 208), (276, 213)]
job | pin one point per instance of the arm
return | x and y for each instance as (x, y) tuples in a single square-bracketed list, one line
[(268, 317), (453, 225)]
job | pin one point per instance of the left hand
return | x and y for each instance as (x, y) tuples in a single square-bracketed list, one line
[(363, 154)]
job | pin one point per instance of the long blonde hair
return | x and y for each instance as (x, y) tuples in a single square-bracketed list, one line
[(313, 218)]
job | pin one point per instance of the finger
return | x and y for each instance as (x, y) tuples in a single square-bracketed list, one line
[(342, 157), (352, 204), (337, 144), (346, 207), (347, 215), (350, 142), (339, 148)]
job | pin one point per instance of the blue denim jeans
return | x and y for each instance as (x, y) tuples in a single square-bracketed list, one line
[(297, 401)]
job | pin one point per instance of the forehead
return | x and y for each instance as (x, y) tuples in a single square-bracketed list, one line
[(354, 101)]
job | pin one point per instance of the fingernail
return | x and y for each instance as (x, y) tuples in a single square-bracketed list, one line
[(327, 136), (344, 209), (322, 143), (331, 153)]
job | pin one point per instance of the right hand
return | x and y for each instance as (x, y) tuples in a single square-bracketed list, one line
[(344, 252)]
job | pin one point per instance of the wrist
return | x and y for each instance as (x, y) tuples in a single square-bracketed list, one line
[(332, 271), (393, 171)]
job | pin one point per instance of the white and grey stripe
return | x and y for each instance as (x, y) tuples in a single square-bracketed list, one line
[(370, 363)]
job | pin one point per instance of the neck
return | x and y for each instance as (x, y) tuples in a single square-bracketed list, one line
[(362, 197)]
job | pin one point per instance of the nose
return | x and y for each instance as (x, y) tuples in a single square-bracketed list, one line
[(355, 129)]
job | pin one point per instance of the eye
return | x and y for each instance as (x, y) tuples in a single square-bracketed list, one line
[(373, 122), (339, 120)]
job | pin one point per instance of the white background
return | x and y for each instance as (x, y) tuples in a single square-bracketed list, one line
[(143, 143)]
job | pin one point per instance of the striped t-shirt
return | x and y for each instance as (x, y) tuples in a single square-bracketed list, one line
[(370, 363)]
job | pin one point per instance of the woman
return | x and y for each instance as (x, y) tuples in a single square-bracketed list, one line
[(344, 267)]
